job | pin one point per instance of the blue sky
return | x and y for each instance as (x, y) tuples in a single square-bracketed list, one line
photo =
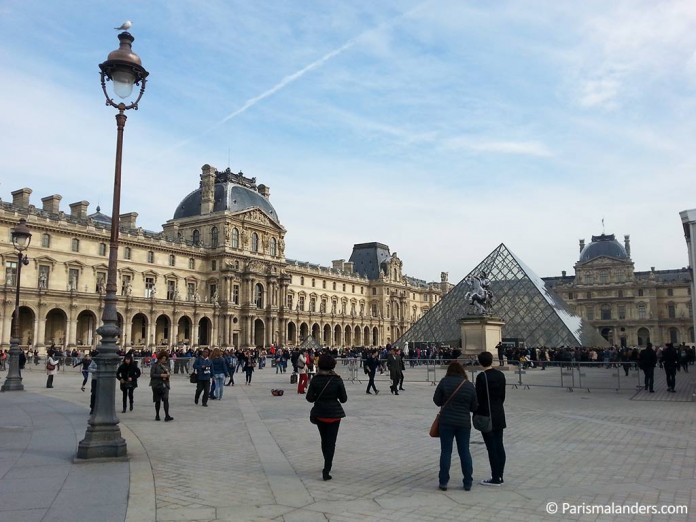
[(440, 128)]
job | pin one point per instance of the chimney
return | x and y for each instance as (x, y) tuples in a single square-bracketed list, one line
[(444, 276), (20, 198), (51, 204), (337, 264), (348, 267), (127, 221), (207, 189), (582, 244), (79, 209), (265, 191), (627, 244), (563, 273)]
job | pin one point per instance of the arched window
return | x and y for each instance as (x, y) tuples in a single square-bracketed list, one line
[(254, 242), (235, 238), (258, 295), (196, 237), (214, 237), (274, 247)]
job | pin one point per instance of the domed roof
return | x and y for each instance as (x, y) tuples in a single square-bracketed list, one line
[(605, 245), (228, 196)]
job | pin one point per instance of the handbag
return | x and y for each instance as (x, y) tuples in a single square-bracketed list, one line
[(435, 426), (50, 367), (484, 423), (193, 377), (293, 378)]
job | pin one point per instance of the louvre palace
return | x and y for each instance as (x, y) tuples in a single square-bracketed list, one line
[(215, 275)]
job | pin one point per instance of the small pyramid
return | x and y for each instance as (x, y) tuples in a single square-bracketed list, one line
[(532, 312), (310, 343)]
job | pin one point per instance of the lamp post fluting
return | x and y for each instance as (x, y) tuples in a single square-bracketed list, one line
[(103, 439), (21, 238)]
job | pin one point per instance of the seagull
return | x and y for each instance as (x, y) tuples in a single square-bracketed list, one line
[(124, 26)]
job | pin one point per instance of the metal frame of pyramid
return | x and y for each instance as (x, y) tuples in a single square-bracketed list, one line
[(532, 312), (310, 343)]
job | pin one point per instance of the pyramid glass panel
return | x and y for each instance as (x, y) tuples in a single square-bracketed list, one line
[(532, 312)]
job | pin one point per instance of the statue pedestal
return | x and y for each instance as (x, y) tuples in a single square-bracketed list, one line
[(481, 333)]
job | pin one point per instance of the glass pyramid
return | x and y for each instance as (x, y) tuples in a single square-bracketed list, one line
[(532, 312)]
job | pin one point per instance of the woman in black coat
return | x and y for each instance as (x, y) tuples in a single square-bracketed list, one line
[(128, 374), (327, 392)]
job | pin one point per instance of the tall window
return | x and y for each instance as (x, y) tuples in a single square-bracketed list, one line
[(343, 308), (289, 304), (125, 285), (171, 289), (75, 245), (590, 313), (214, 237), (191, 291), (258, 296), (670, 292), (373, 310), (274, 247), (640, 292), (196, 237), (314, 282), (606, 312), (322, 306), (102, 249), (302, 280), (642, 313), (334, 304), (622, 311), (192, 263), (300, 303), (671, 311), (212, 293), (334, 285), (73, 279), (235, 238), (213, 264), (254, 242), (100, 286), (11, 273), (46, 240), (150, 256), (323, 283), (235, 294), (126, 252), (44, 273), (604, 277), (312, 304), (149, 286)]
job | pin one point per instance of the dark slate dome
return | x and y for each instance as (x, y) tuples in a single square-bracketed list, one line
[(605, 245), (228, 196)]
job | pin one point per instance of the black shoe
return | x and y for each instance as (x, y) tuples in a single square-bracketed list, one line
[(401, 389), (652, 391), (442, 488), (490, 482), (212, 399), (368, 392), (168, 418), (131, 407), (205, 405), (396, 393), (157, 418), (391, 390), (123, 410), (467, 488), (195, 401), (325, 475)]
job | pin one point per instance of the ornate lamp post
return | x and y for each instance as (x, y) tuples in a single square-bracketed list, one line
[(21, 237), (103, 437)]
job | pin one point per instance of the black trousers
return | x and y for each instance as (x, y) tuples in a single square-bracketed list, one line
[(671, 374), (649, 378), (496, 453), (203, 386), (371, 384), (127, 394), (328, 431)]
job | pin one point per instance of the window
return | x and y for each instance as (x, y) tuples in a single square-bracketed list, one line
[(289, 301), (374, 291), (323, 284), (100, 286), (126, 285), (302, 280), (362, 309), (590, 313), (604, 277), (334, 285), (192, 263), (570, 295), (343, 308), (312, 304), (150, 256), (314, 282), (671, 311), (589, 278), (373, 311), (190, 291), (362, 290), (196, 237), (126, 252), (274, 247), (11, 273), (588, 295), (73, 279), (172, 260), (213, 264), (102, 249), (621, 294), (254, 242), (670, 292), (300, 303), (235, 238), (150, 287), (344, 287), (212, 293), (235, 294), (642, 314), (44, 272), (640, 292), (352, 308), (333, 307), (353, 289), (171, 289), (606, 312), (622, 311), (214, 237), (75, 245), (322, 306), (46, 240)]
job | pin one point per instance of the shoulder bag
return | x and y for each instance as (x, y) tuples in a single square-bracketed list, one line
[(484, 423), (435, 426)]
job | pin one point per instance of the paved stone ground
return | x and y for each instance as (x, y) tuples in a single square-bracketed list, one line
[(254, 457)]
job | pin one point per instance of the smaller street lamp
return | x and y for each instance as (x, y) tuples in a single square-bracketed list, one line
[(21, 238)]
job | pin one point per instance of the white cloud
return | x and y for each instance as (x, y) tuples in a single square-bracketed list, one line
[(522, 148)]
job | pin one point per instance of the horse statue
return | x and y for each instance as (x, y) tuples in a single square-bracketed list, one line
[(479, 294)]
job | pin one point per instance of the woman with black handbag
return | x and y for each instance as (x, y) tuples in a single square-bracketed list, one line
[(327, 392), (159, 381), (457, 398), (490, 390), (128, 374)]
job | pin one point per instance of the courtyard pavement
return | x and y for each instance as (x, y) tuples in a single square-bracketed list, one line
[(255, 457)]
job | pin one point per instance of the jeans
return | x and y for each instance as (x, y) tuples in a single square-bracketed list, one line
[(449, 432), (496, 452), (328, 431), (219, 384)]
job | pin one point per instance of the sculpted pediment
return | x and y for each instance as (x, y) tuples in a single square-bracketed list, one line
[(257, 216)]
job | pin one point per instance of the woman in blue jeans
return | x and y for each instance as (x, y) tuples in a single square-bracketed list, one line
[(457, 397), (220, 371)]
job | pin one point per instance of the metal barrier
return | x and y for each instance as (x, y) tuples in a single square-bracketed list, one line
[(573, 375)]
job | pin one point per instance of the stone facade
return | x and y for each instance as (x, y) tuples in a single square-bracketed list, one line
[(216, 275), (628, 308)]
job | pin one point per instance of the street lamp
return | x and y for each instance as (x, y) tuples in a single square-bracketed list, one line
[(123, 69), (21, 238)]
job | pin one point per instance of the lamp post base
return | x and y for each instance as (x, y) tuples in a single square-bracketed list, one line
[(13, 381), (12, 384), (102, 442)]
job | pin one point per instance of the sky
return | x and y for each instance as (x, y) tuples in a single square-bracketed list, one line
[(440, 128)]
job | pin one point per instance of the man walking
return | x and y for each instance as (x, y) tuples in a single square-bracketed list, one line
[(647, 360), (670, 361), (204, 372)]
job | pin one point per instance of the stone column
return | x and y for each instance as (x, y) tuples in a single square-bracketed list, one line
[(480, 334)]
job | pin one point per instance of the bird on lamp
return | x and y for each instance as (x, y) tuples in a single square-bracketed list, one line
[(124, 26)]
